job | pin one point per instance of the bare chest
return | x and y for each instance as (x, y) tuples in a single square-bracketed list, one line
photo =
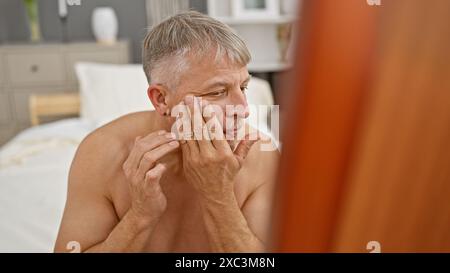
[(181, 228)]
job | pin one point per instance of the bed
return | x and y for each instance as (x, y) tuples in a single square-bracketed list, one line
[(33, 174), (34, 165)]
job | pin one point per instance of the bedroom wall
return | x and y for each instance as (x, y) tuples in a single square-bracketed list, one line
[(131, 16)]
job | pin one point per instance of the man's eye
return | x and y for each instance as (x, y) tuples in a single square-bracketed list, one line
[(244, 89), (217, 94)]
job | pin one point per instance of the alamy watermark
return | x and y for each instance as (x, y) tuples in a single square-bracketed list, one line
[(374, 247), (373, 2)]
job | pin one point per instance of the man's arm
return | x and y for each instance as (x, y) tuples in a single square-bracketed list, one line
[(232, 229), (211, 167), (130, 235), (89, 217)]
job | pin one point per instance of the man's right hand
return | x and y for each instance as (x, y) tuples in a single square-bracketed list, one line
[(143, 173)]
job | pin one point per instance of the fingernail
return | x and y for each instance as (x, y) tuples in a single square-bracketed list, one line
[(173, 143)]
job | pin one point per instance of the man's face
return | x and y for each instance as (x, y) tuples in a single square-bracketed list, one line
[(220, 84)]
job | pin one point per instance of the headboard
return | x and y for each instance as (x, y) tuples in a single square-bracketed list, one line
[(53, 105)]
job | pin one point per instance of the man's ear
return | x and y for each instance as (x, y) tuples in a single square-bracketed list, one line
[(157, 95)]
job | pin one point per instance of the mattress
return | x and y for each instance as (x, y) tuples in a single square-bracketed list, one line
[(34, 168)]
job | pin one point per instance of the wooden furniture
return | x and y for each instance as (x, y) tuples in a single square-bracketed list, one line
[(365, 164), (56, 105), (43, 69)]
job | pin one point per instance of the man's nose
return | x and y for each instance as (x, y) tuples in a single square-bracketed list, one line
[(240, 99)]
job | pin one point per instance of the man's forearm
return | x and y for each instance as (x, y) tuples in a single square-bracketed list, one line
[(227, 227), (130, 235)]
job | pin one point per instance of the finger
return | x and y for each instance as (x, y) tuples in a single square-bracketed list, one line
[(208, 110), (181, 123), (244, 147), (185, 149), (150, 159), (152, 178), (193, 145), (200, 129), (145, 144), (157, 138), (219, 141), (186, 153), (212, 129), (196, 118)]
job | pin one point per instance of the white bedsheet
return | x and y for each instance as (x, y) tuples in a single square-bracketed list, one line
[(33, 182)]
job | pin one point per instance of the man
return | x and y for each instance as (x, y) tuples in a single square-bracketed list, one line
[(134, 186)]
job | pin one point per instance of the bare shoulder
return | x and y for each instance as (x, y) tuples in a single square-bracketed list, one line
[(90, 212), (101, 153), (261, 170), (262, 160)]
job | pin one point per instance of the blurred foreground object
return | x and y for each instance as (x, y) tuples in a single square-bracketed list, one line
[(366, 149)]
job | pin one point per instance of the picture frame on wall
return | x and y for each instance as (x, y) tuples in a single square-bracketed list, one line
[(255, 9)]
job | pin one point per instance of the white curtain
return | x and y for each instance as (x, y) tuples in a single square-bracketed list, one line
[(158, 10)]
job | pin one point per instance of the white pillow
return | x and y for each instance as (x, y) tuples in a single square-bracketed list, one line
[(259, 93), (108, 91)]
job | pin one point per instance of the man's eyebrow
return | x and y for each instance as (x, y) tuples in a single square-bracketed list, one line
[(224, 83), (218, 84), (248, 79)]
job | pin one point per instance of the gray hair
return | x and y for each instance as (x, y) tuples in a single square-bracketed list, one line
[(189, 32)]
